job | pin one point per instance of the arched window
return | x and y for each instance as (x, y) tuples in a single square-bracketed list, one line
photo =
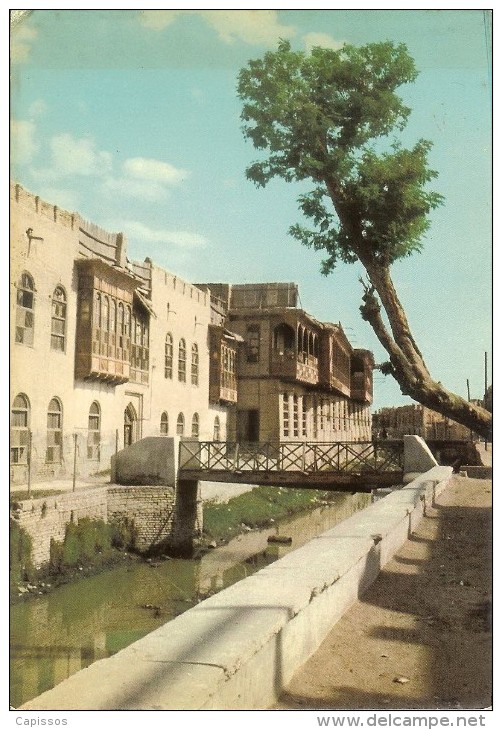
[(54, 432), (58, 322), (25, 318), (97, 310), (120, 319), (195, 425), (19, 429), (120, 331), (113, 315), (94, 432), (182, 362), (195, 364), (164, 424), (168, 357), (284, 338), (105, 313), (180, 424), (217, 429), (127, 321)]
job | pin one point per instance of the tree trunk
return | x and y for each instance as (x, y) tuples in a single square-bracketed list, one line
[(406, 363)]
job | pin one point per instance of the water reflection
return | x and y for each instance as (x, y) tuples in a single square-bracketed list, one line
[(56, 635)]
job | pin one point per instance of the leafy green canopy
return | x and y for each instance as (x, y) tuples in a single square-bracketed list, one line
[(321, 117)]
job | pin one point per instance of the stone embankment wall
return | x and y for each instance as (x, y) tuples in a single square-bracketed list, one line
[(151, 510), (47, 517)]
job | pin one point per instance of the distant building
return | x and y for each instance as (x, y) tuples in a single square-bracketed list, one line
[(395, 422), (297, 378)]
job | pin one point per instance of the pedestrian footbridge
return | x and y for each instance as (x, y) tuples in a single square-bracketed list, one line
[(337, 466)]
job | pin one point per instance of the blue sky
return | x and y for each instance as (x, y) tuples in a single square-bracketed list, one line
[(131, 118)]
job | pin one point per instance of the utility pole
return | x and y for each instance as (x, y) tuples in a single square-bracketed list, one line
[(469, 400), (486, 388), (74, 460)]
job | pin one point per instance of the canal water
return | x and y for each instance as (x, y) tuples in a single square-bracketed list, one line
[(57, 634)]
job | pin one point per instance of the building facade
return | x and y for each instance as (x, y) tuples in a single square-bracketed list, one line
[(298, 379), (395, 422), (104, 351)]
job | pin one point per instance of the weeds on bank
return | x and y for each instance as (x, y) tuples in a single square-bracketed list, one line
[(260, 507)]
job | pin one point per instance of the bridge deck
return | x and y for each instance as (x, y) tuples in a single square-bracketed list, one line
[(327, 481), (335, 466)]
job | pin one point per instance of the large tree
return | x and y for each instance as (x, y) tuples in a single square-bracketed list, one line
[(331, 117)]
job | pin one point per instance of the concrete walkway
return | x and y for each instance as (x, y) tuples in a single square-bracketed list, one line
[(210, 491), (420, 637)]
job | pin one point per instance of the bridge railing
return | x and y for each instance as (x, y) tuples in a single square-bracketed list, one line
[(372, 457)]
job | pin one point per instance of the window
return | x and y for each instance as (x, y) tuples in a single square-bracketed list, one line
[(216, 429), (295, 415), (195, 425), (25, 310), (19, 433), (285, 415), (195, 365), (304, 415), (54, 432), (94, 432), (180, 424), (168, 357), (164, 424), (58, 322), (182, 362), (253, 343), (120, 331)]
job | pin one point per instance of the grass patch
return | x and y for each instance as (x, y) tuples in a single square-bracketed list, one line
[(20, 547), (258, 507), (23, 495)]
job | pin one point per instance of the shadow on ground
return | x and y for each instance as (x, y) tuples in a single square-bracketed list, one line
[(420, 636)]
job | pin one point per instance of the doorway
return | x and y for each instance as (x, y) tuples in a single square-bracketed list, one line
[(130, 425)]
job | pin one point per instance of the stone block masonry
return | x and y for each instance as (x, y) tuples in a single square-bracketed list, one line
[(152, 510), (46, 518), (149, 509)]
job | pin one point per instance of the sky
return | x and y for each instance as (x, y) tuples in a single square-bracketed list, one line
[(132, 119)]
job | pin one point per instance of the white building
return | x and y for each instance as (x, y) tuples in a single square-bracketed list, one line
[(104, 351)]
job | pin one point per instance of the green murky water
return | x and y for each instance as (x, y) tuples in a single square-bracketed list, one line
[(56, 635)]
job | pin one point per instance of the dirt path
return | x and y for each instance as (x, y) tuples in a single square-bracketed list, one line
[(420, 637)]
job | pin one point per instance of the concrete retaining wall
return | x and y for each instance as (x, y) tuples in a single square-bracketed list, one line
[(239, 648)]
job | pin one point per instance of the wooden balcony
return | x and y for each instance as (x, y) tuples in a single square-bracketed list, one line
[(361, 387), (287, 366)]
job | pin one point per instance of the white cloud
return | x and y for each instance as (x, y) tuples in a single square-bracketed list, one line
[(72, 156), (20, 42), (158, 19), (322, 39), (23, 141), (255, 27), (152, 192), (37, 108), (142, 168), (181, 239)]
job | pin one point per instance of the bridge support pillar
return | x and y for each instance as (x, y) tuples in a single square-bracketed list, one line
[(187, 526)]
